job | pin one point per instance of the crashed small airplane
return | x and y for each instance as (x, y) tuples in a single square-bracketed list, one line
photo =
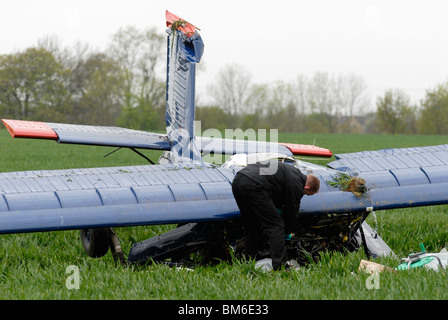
[(185, 190)]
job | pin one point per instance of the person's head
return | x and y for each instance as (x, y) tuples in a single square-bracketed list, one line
[(312, 185)]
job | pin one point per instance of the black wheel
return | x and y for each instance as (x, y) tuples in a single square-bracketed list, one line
[(96, 242)]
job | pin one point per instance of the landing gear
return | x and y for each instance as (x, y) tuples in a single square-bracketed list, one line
[(96, 243)]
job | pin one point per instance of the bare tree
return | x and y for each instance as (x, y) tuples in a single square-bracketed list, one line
[(321, 94), (351, 95), (299, 95), (231, 89), (258, 99), (140, 54)]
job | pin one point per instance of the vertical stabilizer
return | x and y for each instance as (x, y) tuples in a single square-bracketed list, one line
[(184, 50)]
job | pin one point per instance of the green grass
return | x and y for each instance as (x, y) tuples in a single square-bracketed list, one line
[(33, 266)]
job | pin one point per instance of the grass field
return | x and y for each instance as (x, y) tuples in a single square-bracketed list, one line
[(34, 266)]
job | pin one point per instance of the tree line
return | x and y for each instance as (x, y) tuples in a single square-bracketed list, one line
[(322, 103), (124, 85)]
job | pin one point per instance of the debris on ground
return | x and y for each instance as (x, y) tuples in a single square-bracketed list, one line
[(371, 267), (265, 265), (345, 182), (423, 259)]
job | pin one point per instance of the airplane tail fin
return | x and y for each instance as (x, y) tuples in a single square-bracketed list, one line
[(184, 50)]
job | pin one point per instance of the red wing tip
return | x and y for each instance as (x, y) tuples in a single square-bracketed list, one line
[(308, 150), (29, 129)]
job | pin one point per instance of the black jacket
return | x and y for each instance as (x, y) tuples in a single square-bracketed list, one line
[(285, 185)]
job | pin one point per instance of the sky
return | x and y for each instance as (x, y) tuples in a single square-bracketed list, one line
[(391, 44)]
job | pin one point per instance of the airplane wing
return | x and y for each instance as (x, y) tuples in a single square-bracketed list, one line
[(396, 178), (52, 200), (397, 167)]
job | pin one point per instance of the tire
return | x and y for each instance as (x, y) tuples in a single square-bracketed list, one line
[(96, 242)]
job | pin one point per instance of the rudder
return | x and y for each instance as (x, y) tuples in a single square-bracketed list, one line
[(184, 50)]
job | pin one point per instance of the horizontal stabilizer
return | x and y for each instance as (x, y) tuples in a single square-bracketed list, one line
[(29, 129), (128, 138), (308, 150), (209, 145), (88, 135)]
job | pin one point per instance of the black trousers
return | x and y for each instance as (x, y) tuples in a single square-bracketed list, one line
[(260, 218)]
